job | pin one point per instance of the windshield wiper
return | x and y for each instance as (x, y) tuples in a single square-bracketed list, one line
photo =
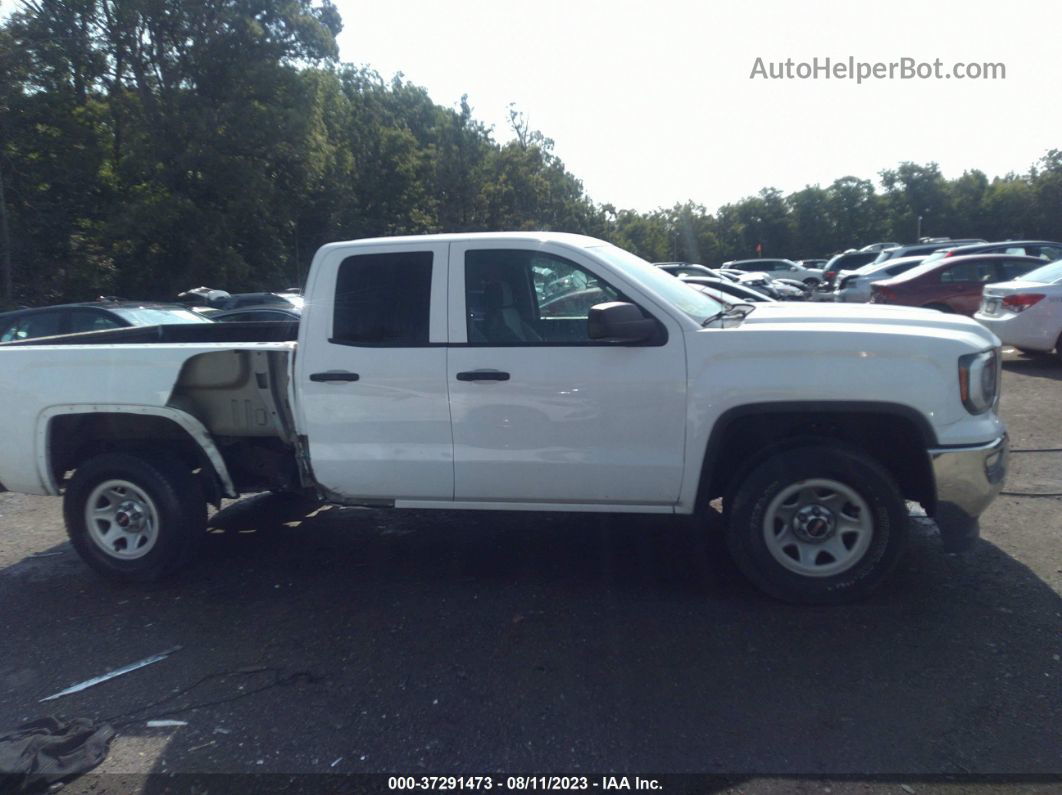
[(737, 310)]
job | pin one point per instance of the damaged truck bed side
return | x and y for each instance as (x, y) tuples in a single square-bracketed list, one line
[(524, 371)]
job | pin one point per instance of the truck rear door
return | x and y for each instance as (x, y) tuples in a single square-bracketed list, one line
[(371, 372)]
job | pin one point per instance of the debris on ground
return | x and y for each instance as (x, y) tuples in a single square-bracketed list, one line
[(112, 674), (48, 750)]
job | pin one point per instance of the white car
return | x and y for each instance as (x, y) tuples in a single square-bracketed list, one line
[(1026, 312), (853, 287), (778, 268)]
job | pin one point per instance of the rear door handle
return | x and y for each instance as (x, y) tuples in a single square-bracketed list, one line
[(334, 375), (482, 375)]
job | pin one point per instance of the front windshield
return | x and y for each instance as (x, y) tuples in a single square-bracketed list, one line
[(697, 305), (158, 316), (1045, 274)]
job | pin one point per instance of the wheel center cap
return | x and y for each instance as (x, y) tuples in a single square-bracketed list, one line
[(129, 516), (814, 523)]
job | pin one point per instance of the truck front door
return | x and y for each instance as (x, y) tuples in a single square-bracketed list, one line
[(542, 413)]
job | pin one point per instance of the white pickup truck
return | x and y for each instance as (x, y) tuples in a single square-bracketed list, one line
[(522, 372)]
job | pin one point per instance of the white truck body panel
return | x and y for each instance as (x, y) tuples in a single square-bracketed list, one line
[(43, 381)]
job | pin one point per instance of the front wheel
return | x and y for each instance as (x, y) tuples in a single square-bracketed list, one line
[(817, 525), (132, 517)]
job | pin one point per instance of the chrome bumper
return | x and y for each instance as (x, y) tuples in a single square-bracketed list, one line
[(967, 480)]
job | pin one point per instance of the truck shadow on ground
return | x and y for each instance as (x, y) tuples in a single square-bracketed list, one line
[(411, 643), (1036, 366)]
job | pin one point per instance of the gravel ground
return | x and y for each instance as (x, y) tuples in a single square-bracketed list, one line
[(345, 640)]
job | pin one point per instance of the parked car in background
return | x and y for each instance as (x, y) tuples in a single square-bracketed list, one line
[(802, 290), (1026, 312), (954, 284), (249, 314), (849, 260), (733, 291), (777, 268), (760, 282), (684, 269), (206, 299), (50, 321), (812, 264), (925, 249), (1047, 250), (878, 246), (853, 287)]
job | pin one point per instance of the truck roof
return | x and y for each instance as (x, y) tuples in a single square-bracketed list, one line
[(581, 241)]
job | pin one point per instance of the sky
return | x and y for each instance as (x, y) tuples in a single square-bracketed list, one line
[(651, 103)]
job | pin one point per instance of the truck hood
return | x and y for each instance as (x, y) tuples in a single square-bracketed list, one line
[(869, 318)]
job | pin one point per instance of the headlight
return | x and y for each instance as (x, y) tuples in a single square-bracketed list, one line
[(979, 380)]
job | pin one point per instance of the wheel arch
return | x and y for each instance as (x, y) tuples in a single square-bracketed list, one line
[(68, 434), (896, 435)]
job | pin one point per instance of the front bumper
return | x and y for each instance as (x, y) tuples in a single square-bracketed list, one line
[(967, 480)]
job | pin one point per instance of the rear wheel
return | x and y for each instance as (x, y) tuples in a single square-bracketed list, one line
[(817, 525), (133, 517)]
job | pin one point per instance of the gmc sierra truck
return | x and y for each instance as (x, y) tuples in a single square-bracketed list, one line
[(522, 372)]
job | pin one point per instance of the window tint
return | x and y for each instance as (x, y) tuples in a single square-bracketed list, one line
[(252, 317), (383, 299), (41, 324), (1012, 269), (518, 296), (979, 271), (91, 320)]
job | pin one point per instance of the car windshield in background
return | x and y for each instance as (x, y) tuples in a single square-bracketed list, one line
[(158, 316), (696, 304), (1045, 274)]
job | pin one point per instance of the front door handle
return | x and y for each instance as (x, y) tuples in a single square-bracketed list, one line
[(334, 375), (482, 375)]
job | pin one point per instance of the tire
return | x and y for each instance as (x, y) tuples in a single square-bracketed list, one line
[(160, 500), (820, 524), (812, 283), (940, 308)]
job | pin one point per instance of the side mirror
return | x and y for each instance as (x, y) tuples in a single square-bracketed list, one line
[(618, 321)]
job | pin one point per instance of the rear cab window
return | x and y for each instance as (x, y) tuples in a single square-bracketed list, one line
[(383, 299)]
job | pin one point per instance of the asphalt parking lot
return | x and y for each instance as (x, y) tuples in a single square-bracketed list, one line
[(337, 641)]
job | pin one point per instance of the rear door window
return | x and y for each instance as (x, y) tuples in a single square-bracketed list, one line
[(383, 299), (1012, 269), (966, 272), (38, 324), (82, 320)]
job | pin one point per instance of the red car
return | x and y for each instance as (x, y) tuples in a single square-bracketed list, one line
[(953, 284)]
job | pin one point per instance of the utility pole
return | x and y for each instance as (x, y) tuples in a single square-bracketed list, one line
[(5, 241)]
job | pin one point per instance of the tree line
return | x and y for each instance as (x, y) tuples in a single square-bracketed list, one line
[(150, 146)]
